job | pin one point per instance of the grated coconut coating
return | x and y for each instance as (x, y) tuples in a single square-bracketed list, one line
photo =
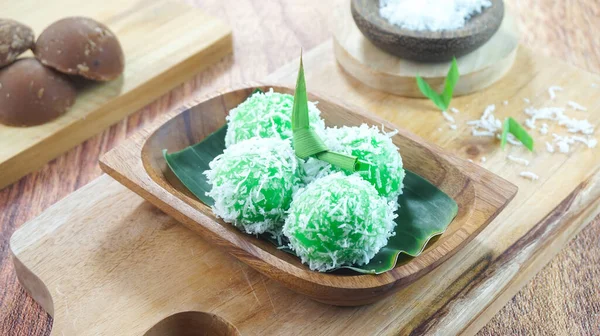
[(371, 145), (339, 220), (267, 115), (253, 183)]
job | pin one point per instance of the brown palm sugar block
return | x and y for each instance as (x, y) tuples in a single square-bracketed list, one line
[(32, 94), (81, 46), (15, 39)]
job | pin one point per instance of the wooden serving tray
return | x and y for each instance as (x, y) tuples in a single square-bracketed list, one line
[(139, 164), (165, 42), (105, 262)]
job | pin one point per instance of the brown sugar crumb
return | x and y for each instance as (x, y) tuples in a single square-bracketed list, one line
[(83, 67)]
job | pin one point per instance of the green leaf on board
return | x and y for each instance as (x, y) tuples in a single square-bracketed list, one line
[(451, 80), (442, 101), (513, 127), (425, 211), (430, 93)]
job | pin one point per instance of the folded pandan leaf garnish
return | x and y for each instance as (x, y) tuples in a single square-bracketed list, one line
[(307, 142)]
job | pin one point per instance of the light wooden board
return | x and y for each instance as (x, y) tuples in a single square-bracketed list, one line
[(380, 70), (165, 43), (113, 264)]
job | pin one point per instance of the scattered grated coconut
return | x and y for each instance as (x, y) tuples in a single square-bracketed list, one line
[(530, 123), (453, 127), (483, 159), (589, 142), (487, 125), (518, 160), (448, 117), (470, 160), (543, 129), (558, 114), (505, 102), (482, 133), (576, 106), (552, 91), (529, 175), (526, 100), (549, 147), (454, 110), (564, 142)]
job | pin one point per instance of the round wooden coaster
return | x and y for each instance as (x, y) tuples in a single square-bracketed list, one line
[(385, 72)]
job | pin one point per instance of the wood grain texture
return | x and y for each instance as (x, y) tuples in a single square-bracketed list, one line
[(380, 70), (138, 163), (165, 43), (459, 296), (426, 46), (562, 299)]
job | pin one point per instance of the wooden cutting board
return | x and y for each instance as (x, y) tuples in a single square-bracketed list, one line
[(165, 42), (105, 262)]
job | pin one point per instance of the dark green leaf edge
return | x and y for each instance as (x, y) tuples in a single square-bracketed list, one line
[(397, 255)]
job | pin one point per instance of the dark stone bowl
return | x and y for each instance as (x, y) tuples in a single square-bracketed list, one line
[(426, 46)]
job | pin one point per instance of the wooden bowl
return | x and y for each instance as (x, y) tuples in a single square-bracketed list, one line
[(426, 46), (139, 164)]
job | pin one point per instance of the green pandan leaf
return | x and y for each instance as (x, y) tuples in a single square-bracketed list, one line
[(430, 93), (513, 127), (442, 101), (307, 142), (425, 211)]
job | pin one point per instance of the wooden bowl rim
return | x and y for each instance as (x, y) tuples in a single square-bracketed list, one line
[(471, 28)]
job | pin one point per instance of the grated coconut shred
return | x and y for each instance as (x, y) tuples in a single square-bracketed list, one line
[(529, 175)]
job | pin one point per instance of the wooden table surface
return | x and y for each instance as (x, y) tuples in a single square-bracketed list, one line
[(563, 299)]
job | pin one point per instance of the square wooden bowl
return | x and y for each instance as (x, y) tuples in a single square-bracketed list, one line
[(139, 164)]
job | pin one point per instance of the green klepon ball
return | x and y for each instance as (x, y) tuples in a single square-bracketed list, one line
[(375, 147), (253, 182), (339, 220), (267, 115)]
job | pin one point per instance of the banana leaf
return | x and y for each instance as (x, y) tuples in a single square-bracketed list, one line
[(425, 211)]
